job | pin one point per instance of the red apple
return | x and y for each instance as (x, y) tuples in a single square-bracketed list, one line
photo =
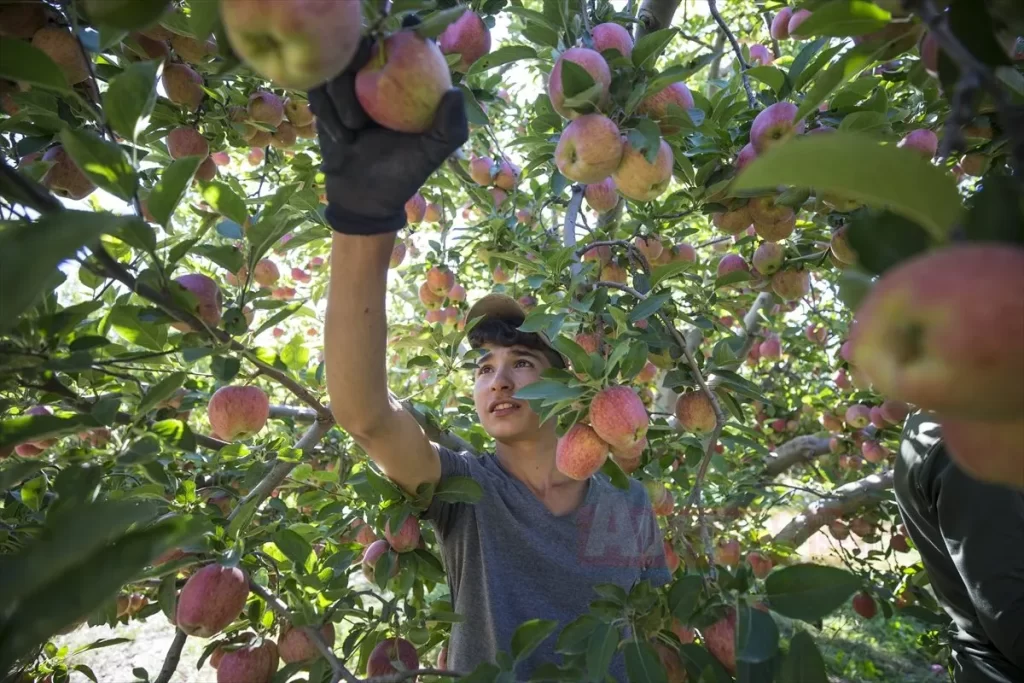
[(595, 65)]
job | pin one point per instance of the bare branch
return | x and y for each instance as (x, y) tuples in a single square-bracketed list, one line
[(713, 7), (794, 452), (172, 658), (655, 15), (569, 226), (842, 501)]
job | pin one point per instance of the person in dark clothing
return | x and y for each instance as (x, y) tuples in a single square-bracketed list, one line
[(970, 535)]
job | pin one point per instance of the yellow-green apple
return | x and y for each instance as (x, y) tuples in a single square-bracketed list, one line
[(211, 599), (731, 263), (389, 650), (253, 663), (780, 23), (745, 156), (596, 97), (507, 176), (266, 107), (922, 140), (589, 149), (432, 214), (183, 86), (61, 45), (22, 19), (619, 417), (771, 348), (185, 141), (798, 17), (773, 125), (299, 44), (406, 538), (858, 416), (238, 412), (613, 272), (641, 180), (695, 412), (499, 275), (768, 257), (840, 245), (402, 85), (580, 452), (284, 137), (733, 221), (772, 222), (307, 132), (193, 50), (945, 330), (480, 170), (720, 640), (295, 646), (457, 293), (650, 246), (661, 498), (612, 36), (761, 55), (416, 208), (64, 178), (430, 301), (666, 104), (864, 605), (467, 36), (989, 450), (209, 301), (603, 196), (440, 280), (266, 273), (298, 112), (791, 284)]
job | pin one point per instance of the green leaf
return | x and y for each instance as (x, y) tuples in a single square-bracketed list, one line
[(22, 61), (648, 48), (49, 239), (772, 76), (104, 162), (577, 355), (506, 54), (883, 239), (601, 650), (125, 321), (642, 663), (128, 15), (436, 22), (577, 83), (474, 112), (130, 97), (648, 307), (225, 202), (996, 213), (757, 636), (860, 168), (840, 18), (549, 389), (170, 189), (809, 591), (294, 546), (852, 62), (204, 16), (684, 596), (24, 428), (161, 390), (611, 469), (804, 58), (732, 278), (458, 490), (15, 472), (803, 662), (175, 433), (530, 635)]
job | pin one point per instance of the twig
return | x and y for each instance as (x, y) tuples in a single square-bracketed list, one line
[(569, 226), (776, 50), (275, 603), (172, 658), (713, 7)]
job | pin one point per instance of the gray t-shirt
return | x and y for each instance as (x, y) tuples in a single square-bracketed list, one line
[(509, 559)]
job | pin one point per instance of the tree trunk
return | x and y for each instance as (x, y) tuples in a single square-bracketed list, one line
[(655, 15)]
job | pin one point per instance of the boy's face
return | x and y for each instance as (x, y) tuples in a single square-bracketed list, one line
[(500, 372)]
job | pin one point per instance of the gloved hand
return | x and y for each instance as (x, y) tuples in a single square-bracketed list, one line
[(372, 171)]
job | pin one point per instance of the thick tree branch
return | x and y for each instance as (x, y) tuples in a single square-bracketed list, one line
[(794, 452), (655, 15), (569, 225), (172, 658), (842, 501)]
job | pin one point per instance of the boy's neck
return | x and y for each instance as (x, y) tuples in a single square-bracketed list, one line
[(533, 463)]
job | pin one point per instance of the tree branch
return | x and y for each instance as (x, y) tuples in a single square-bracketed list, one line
[(842, 501), (713, 7), (794, 452), (569, 225), (655, 15), (172, 658)]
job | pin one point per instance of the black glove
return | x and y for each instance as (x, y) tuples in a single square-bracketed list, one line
[(372, 171)]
